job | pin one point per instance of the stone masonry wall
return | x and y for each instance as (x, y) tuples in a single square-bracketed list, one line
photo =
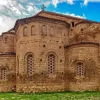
[(8, 62), (41, 45), (88, 55), (72, 41)]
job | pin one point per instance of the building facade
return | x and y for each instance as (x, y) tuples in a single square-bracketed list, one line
[(50, 52)]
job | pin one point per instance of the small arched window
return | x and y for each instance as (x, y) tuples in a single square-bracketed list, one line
[(3, 74), (33, 30), (80, 69), (25, 31), (44, 30), (52, 33), (73, 24), (51, 64), (30, 65)]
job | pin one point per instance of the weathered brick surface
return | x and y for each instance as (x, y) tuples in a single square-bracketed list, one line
[(88, 55), (8, 62), (71, 40)]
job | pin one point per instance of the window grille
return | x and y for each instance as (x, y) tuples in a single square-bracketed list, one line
[(30, 65), (3, 74), (51, 63)]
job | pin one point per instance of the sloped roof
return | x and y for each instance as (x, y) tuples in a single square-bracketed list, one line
[(25, 20), (66, 16)]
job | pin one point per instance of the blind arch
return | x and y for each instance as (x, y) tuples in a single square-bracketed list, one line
[(44, 30), (32, 30), (25, 31)]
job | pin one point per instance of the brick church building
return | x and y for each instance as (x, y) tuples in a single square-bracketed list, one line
[(50, 52)]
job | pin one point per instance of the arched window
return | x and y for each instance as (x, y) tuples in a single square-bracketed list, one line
[(80, 69), (30, 65), (52, 33), (25, 31), (33, 30), (73, 24), (51, 64), (3, 74), (59, 32), (44, 30)]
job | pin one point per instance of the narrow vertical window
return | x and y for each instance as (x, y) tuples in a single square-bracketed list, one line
[(44, 30), (51, 64), (25, 31), (3, 74), (30, 65), (72, 24), (33, 30), (80, 69)]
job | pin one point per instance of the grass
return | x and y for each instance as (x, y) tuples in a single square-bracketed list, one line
[(52, 96)]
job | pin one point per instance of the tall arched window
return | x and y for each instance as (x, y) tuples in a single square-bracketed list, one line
[(33, 30), (80, 69), (25, 31), (3, 74), (44, 30), (51, 64), (30, 65)]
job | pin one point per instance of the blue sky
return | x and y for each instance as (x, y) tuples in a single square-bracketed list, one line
[(11, 10)]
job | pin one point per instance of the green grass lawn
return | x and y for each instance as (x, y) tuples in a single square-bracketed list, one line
[(52, 96)]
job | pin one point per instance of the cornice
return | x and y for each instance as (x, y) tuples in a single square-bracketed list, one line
[(8, 54), (40, 18), (81, 43)]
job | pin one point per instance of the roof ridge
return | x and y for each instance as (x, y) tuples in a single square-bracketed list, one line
[(68, 16)]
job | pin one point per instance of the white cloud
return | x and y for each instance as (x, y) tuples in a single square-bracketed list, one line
[(6, 23), (78, 16), (30, 8), (70, 1), (73, 15), (3, 2), (86, 1), (11, 10), (23, 1), (55, 2)]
